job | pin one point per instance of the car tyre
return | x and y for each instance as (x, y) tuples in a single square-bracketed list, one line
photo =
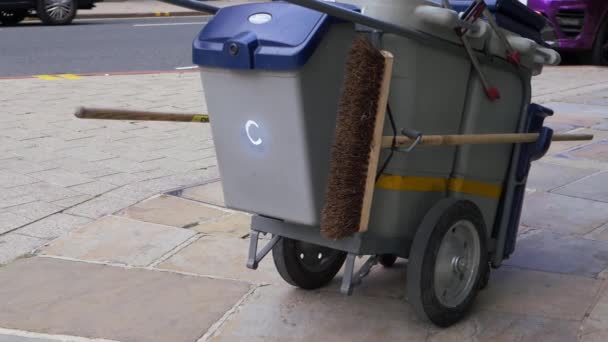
[(599, 54), (56, 12), (10, 18)]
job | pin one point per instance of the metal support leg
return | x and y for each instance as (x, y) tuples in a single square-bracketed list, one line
[(255, 257), (352, 279), (347, 279)]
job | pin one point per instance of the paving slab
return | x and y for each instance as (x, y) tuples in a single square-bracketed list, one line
[(35, 210), (10, 221), (563, 214), (275, 313), (9, 179), (221, 257), (546, 176), (13, 338), (600, 233), (550, 252), (54, 226), (100, 206), (594, 187), (595, 327), (93, 188), (234, 225), (61, 177), (119, 240), (542, 294), (603, 126), (577, 109), (499, 326), (595, 151), (211, 193), (96, 301), (14, 245), (172, 211)]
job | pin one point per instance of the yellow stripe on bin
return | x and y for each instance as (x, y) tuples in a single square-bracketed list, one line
[(407, 183), (438, 184), (47, 77), (475, 188), (69, 76)]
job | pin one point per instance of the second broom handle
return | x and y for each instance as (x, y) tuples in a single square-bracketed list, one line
[(480, 139), (121, 114)]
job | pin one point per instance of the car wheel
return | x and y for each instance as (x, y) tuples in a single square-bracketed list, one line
[(12, 17), (599, 55), (56, 12)]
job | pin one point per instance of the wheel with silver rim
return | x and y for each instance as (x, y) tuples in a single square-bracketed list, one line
[(306, 265), (56, 12), (446, 262)]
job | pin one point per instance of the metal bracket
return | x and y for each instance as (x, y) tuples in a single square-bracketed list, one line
[(352, 279), (412, 134), (254, 257)]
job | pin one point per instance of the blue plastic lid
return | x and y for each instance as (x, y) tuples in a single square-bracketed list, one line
[(269, 36)]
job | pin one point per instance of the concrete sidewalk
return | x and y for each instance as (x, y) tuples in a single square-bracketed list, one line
[(147, 8), (103, 256)]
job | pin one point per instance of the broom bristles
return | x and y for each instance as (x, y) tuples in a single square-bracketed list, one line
[(350, 153)]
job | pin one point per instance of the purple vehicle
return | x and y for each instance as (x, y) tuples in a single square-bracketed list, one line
[(580, 26)]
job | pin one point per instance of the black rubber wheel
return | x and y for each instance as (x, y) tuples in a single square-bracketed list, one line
[(306, 265), (599, 54), (388, 260), (10, 18), (484, 277), (56, 12), (445, 262)]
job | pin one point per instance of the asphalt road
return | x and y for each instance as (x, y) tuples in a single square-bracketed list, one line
[(98, 46)]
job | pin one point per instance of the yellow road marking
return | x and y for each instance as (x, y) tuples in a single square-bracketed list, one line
[(162, 14), (47, 77), (438, 184), (69, 76)]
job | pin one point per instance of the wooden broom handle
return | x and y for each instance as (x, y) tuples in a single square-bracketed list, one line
[(121, 114), (479, 139), (387, 141)]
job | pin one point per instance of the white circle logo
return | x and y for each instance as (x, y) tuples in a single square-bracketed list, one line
[(260, 18), (248, 125)]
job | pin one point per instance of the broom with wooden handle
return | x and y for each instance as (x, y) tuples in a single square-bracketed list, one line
[(358, 141)]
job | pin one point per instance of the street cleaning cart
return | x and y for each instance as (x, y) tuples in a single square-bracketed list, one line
[(277, 77), (272, 76)]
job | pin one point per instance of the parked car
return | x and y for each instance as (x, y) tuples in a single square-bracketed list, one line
[(50, 12), (581, 26)]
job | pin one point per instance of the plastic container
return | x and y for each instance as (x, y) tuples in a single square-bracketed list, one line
[(272, 74)]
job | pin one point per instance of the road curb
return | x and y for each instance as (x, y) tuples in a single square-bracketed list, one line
[(141, 15)]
